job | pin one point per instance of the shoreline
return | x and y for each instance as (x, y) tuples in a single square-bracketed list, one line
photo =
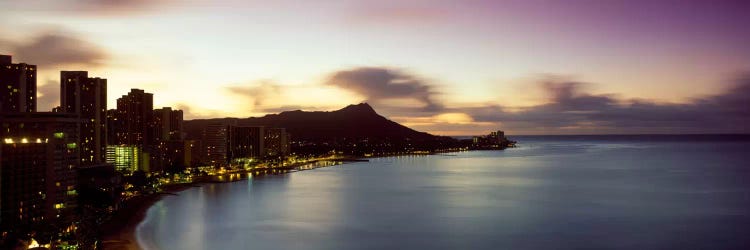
[(119, 232)]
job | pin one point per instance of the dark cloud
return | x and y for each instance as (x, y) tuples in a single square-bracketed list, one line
[(292, 108), (570, 110), (48, 95), (56, 49), (381, 85), (118, 5), (189, 113), (258, 92)]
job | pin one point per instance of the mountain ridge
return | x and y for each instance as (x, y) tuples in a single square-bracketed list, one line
[(355, 121)]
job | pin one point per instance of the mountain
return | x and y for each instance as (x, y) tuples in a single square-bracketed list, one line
[(358, 121)]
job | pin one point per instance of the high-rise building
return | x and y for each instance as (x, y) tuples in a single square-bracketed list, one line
[(39, 153), (215, 143), (114, 126), (17, 86), (168, 124), (276, 142), (497, 136), (168, 138), (192, 151), (245, 142), (87, 98), (135, 116)]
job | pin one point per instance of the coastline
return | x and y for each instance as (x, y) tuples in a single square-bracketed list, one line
[(119, 232)]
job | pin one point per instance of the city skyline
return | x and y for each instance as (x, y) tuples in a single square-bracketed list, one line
[(477, 124), (527, 67)]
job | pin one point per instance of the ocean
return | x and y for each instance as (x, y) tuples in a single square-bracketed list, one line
[(551, 192)]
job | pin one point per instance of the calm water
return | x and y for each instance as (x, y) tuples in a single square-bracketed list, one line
[(551, 193)]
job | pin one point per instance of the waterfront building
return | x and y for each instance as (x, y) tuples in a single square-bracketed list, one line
[(128, 159), (193, 149), (17, 86), (169, 139), (39, 153), (86, 97), (215, 143), (276, 142), (168, 124), (493, 140), (134, 118), (497, 136), (245, 142)]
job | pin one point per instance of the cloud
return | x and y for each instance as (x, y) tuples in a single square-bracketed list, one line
[(259, 92), (383, 85), (567, 109), (56, 49), (118, 6), (570, 110), (48, 95), (89, 7), (190, 113), (280, 109)]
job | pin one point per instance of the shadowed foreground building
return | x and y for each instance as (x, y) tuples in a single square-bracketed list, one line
[(17, 86), (168, 124), (215, 143), (87, 98), (135, 119), (169, 139), (131, 128), (245, 142), (39, 153), (276, 142), (142, 138)]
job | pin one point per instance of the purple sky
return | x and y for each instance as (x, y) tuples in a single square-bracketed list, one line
[(446, 67)]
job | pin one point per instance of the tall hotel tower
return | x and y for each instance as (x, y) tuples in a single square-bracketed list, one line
[(17, 86), (87, 98)]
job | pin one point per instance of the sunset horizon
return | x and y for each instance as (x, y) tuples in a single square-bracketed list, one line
[(374, 124), (529, 67)]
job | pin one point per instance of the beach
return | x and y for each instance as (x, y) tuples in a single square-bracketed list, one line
[(119, 232)]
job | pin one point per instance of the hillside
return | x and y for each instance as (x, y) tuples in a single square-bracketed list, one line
[(352, 122)]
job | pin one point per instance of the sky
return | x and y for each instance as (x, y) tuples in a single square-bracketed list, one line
[(444, 67)]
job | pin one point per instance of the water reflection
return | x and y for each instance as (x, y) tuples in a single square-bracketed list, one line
[(590, 194)]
